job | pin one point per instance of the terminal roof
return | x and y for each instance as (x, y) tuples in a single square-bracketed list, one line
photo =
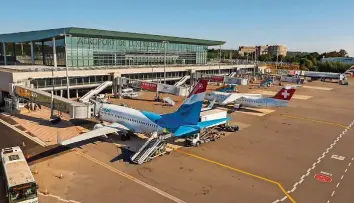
[(95, 33)]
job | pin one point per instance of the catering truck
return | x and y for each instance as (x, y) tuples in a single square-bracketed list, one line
[(19, 182)]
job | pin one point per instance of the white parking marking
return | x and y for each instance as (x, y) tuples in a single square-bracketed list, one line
[(326, 173), (323, 155), (341, 158), (58, 198), (150, 187)]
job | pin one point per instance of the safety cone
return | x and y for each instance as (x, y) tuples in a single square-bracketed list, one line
[(46, 192)]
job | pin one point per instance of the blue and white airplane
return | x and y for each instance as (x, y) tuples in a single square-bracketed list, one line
[(183, 122)]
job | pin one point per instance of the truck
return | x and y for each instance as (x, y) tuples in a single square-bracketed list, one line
[(204, 136), (129, 93), (213, 132), (213, 114), (20, 184)]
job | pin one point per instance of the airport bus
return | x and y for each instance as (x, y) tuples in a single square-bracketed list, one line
[(19, 181)]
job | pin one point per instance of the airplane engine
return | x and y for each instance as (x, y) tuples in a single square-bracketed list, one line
[(97, 126)]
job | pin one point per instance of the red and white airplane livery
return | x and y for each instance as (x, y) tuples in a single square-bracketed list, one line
[(281, 99), (350, 71)]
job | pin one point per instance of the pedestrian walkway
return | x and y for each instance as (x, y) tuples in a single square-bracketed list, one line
[(37, 124)]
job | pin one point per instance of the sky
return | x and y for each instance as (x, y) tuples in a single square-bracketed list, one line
[(309, 26)]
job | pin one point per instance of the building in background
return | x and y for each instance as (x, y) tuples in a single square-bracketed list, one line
[(246, 50), (274, 50), (346, 60), (85, 58), (261, 50), (81, 47)]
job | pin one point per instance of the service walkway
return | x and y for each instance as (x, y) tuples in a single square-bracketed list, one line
[(37, 124)]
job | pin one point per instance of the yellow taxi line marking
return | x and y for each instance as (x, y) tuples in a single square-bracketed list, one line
[(173, 198), (314, 120), (240, 171)]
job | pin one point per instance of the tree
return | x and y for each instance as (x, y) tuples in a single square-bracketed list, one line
[(343, 53), (265, 57), (306, 64)]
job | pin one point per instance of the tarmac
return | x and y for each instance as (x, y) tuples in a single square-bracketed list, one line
[(278, 156)]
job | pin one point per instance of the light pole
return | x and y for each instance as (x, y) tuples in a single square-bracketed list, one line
[(164, 61), (276, 64), (219, 59), (66, 63)]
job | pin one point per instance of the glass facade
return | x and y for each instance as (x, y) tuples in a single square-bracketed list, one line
[(42, 50), (86, 52)]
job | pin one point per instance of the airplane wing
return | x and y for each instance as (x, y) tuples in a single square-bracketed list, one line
[(231, 98), (91, 134), (185, 130), (210, 106), (212, 123), (251, 95)]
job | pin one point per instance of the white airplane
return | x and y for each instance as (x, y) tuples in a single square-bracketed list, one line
[(209, 107), (182, 122), (223, 98), (281, 99)]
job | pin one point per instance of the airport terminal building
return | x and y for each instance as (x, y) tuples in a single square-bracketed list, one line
[(88, 57)]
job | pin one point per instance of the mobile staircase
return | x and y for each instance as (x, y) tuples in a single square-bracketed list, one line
[(232, 74), (86, 98), (155, 146), (182, 81)]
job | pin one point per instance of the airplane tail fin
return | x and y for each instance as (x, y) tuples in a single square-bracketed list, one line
[(286, 93), (188, 113), (350, 71)]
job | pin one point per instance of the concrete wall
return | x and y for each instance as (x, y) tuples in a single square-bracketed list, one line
[(5, 79)]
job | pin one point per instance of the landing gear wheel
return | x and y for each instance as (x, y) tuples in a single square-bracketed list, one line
[(197, 144)]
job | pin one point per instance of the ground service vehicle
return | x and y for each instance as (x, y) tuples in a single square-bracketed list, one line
[(129, 93), (19, 181)]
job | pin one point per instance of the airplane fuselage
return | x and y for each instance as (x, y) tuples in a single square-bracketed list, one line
[(223, 98), (261, 102), (135, 120)]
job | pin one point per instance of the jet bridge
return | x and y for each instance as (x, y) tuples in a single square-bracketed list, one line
[(74, 109), (152, 86)]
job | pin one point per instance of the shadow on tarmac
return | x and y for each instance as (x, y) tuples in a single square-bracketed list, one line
[(57, 150), (43, 122), (231, 109), (124, 156)]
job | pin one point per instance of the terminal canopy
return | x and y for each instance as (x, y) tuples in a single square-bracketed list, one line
[(94, 33)]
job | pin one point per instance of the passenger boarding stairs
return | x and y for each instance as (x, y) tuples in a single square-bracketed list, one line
[(182, 81), (153, 147), (232, 74), (86, 98)]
